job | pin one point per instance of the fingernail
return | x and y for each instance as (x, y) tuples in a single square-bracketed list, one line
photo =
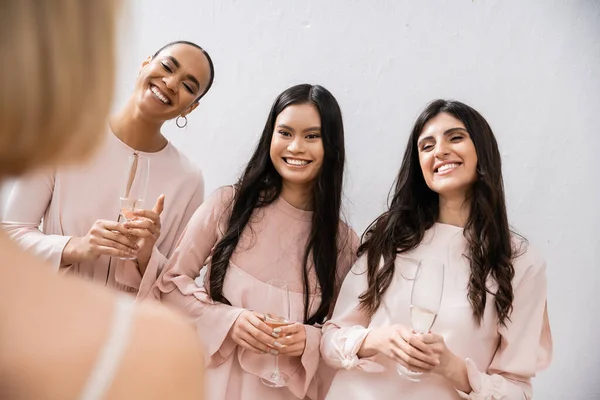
[(277, 330), (275, 335), (274, 352), (277, 344)]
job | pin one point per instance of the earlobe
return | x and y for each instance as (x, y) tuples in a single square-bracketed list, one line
[(190, 109)]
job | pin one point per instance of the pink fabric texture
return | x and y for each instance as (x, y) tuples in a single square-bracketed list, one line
[(69, 200), (271, 247), (500, 360)]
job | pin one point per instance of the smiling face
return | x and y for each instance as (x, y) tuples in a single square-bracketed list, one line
[(447, 156), (169, 84), (296, 146)]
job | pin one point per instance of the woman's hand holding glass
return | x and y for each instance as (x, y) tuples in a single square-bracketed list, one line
[(144, 228), (291, 340), (401, 345), (250, 332)]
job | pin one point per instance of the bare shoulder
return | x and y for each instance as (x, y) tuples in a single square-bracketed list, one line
[(55, 329), (164, 358), (156, 324)]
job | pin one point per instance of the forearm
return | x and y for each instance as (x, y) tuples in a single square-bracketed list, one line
[(145, 259), (366, 349), (142, 263), (456, 373)]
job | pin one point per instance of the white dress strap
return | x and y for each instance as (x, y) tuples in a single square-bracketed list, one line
[(108, 362)]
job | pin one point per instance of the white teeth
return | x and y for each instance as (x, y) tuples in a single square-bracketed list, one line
[(447, 167), (296, 162), (158, 94)]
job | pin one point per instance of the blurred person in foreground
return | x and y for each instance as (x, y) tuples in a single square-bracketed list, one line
[(57, 67)]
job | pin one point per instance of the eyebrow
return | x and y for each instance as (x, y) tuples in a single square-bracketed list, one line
[(289, 128), (190, 77), (447, 132)]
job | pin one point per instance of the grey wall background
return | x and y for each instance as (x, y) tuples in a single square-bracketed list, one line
[(532, 68)]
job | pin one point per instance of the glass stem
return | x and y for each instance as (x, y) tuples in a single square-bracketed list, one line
[(276, 365)]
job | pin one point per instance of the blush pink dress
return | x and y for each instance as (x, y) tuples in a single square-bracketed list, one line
[(271, 247), (500, 360), (70, 199)]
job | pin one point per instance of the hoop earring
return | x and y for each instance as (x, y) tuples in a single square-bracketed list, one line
[(181, 125)]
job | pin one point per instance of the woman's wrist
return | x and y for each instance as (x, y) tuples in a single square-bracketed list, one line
[(455, 370), (142, 264), (70, 254), (366, 349)]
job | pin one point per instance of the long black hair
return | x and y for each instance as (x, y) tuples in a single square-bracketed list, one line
[(210, 62), (414, 209), (260, 185)]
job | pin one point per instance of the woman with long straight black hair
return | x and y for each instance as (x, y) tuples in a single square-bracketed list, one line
[(491, 333), (280, 221)]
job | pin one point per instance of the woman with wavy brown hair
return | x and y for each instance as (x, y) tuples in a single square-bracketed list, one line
[(62, 338), (491, 334)]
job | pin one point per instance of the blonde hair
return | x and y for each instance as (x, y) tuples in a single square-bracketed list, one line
[(56, 84)]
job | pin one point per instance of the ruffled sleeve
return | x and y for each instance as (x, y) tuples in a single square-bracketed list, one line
[(178, 284), (344, 334)]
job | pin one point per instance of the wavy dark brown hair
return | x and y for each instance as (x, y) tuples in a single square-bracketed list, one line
[(414, 209), (261, 184)]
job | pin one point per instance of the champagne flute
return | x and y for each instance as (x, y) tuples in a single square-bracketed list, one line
[(277, 314), (135, 185), (426, 297)]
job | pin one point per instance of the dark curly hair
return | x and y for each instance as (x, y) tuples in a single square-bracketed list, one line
[(414, 209)]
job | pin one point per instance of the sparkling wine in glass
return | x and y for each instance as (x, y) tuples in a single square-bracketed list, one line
[(277, 315), (135, 185), (425, 300)]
